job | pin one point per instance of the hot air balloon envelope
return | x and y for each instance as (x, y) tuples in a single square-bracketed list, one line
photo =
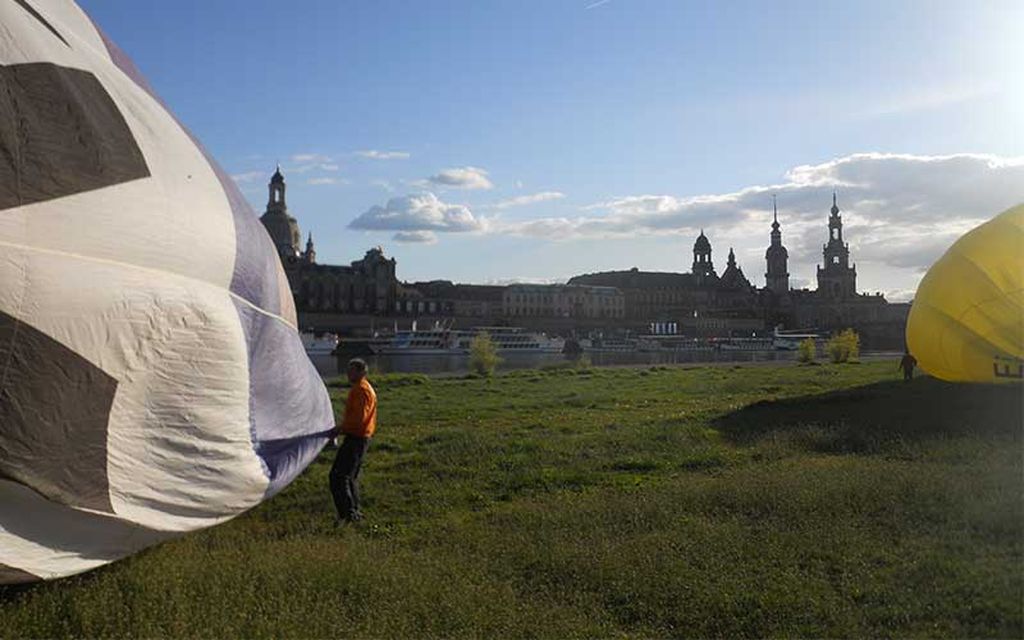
[(967, 320), (152, 381)]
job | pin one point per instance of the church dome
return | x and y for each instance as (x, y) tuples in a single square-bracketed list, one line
[(703, 244)]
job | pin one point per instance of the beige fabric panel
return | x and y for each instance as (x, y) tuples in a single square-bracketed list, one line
[(177, 220), (176, 349), (50, 540)]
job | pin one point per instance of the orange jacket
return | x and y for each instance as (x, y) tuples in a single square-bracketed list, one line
[(360, 410)]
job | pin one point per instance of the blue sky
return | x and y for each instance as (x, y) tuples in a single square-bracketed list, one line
[(494, 141)]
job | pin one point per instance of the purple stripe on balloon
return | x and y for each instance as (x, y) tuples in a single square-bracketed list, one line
[(285, 459), (289, 409)]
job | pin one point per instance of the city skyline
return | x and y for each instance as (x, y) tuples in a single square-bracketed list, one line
[(492, 142)]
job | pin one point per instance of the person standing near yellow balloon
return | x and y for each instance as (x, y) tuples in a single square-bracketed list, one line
[(907, 364)]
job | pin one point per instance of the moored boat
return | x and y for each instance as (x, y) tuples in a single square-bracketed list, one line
[(790, 341), (446, 341), (322, 345)]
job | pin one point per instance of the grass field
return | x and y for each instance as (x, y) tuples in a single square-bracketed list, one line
[(698, 501)]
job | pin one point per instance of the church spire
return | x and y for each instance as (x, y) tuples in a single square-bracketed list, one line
[(310, 254), (777, 276)]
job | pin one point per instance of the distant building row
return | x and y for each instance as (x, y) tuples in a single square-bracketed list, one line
[(699, 299)]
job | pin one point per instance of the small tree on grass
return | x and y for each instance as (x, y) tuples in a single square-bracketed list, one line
[(844, 346), (807, 350), (483, 354)]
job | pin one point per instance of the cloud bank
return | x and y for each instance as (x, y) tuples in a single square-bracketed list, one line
[(419, 212), (520, 201), (900, 210), (415, 237), (374, 154), (462, 178)]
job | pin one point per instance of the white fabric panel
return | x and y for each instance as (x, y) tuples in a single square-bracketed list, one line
[(177, 351), (178, 219), (50, 540)]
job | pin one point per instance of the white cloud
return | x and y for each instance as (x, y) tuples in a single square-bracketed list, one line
[(382, 184), (250, 176), (415, 237), (419, 212), (323, 180), (374, 154), (885, 196), (304, 162), (309, 157), (900, 295), (462, 178), (520, 201), (525, 280)]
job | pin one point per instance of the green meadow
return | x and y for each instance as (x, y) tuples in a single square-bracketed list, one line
[(717, 501)]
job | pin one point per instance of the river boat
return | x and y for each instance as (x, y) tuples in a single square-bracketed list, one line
[(790, 341), (609, 345), (322, 345), (446, 341), (745, 344), (670, 343)]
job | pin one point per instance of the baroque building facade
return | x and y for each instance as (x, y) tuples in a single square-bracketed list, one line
[(703, 301), (699, 301), (367, 286)]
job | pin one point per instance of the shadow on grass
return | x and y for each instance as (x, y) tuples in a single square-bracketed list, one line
[(873, 418), (10, 592)]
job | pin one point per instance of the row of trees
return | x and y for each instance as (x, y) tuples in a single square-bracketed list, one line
[(841, 347)]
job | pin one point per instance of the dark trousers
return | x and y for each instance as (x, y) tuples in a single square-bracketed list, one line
[(908, 374), (345, 476)]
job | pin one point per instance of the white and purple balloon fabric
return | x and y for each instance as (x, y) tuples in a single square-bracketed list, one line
[(152, 380)]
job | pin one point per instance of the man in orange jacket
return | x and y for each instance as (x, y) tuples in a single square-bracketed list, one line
[(358, 425)]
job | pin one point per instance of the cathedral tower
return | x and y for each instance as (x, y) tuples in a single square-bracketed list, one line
[(702, 265), (283, 229), (777, 277), (836, 278)]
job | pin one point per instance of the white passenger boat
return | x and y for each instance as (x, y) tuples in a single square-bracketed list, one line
[(608, 345), (744, 344), (791, 341), (323, 345), (671, 343), (445, 341)]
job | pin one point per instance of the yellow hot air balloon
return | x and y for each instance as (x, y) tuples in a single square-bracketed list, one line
[(967, 320)]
